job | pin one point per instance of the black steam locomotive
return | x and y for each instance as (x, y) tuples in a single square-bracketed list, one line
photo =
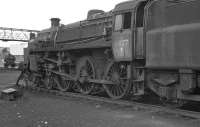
[(140, 45)]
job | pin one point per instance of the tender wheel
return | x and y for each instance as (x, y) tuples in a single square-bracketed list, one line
[(117, 73), (63, 84), (85, 71), (49, 81)]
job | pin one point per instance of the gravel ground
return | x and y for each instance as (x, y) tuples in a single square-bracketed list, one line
[(44, 110)]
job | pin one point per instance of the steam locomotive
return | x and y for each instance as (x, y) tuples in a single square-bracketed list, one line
[(140, 45)]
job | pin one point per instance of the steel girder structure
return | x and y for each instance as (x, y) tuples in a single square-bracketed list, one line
[(13, 34)]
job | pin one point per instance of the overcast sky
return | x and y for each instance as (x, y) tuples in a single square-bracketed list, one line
[(35, 14)]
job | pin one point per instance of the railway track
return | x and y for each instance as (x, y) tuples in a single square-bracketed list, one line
[(154, 108)]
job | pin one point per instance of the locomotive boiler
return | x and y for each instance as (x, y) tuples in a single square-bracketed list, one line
[(139, 45)]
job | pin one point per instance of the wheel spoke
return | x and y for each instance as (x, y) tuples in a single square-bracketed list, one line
[(117, 91), (120, 89)]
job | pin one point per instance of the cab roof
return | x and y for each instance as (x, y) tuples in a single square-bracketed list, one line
[(127, 5)]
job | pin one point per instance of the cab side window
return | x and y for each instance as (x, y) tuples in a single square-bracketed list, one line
[(127, 20), (118, 22), (123, 21)]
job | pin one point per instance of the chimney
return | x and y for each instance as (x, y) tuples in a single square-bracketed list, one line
[(55, 22), (32, 36)]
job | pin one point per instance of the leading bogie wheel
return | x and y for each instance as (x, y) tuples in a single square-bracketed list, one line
[(85, 71), (117, 73)]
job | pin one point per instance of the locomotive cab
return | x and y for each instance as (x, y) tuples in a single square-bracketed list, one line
[(128, 43), (122, 45), (128, 30)]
